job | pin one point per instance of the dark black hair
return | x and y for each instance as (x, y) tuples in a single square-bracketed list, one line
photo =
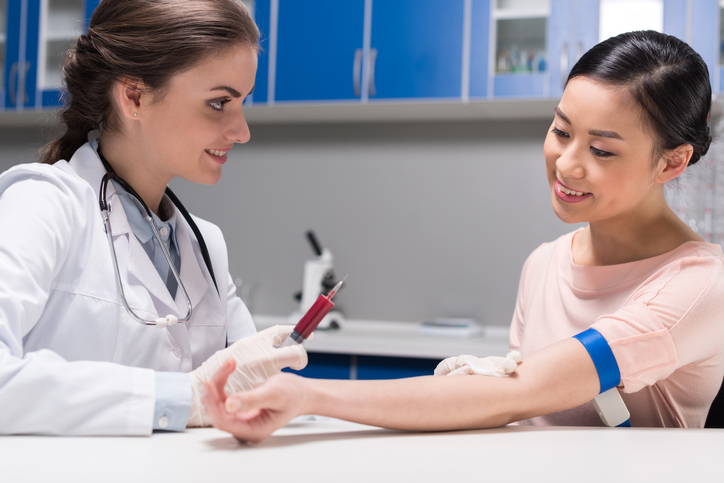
[(667, 78)]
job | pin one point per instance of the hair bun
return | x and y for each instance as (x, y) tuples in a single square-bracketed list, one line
[(84, 44), (701, 147)]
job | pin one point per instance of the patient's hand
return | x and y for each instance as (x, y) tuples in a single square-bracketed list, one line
[(486, 366), (253, 415)]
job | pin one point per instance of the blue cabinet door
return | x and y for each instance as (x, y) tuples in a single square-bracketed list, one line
[(20, 77), (376, 367), (416, 49), (17, 69), (325, 366), (262, 17), (479, 49), (20, 74), (318, 50)]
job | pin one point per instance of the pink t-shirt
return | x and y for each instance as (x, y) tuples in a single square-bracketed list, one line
[(663, 318)]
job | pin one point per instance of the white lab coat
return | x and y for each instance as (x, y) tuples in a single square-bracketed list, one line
[(72, 360)]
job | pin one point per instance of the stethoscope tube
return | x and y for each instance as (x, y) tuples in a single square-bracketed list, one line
[(105, 207)]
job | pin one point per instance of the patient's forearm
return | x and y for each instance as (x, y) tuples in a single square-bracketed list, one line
[(559, 377)]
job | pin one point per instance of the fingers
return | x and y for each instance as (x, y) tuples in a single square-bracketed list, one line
[(249, 404), (213, 402), (219, 378), (486, 366), (277, 333), (445, 366), (461, 371), (507, 366), (293, 356), (490, 369), (516, 356)]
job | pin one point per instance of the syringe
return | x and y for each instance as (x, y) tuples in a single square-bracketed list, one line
[(312, 318)]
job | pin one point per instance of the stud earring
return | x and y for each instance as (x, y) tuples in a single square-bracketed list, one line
[(135, 114)]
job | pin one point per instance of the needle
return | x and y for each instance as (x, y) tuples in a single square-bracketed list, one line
[(334, 290)]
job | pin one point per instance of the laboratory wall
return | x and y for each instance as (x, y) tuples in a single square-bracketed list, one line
[(426, 219)]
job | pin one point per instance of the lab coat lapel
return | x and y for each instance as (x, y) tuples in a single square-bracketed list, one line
[(86, 163), (191, 274)]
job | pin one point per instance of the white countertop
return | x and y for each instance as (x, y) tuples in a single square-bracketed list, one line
[(396, 339), (337, 451)]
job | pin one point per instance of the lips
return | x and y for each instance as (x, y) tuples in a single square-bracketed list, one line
[(569, 195), (216, 152), (218, 155)]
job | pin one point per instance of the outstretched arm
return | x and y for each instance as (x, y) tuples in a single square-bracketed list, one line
[(559, 377)]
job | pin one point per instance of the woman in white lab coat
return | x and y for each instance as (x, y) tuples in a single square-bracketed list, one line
[(628, 307), (154, 91)]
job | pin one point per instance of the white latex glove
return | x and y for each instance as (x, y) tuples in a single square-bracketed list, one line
[(485, 366), (257, 359)]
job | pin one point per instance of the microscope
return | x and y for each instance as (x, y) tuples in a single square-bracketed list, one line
[(318, 278)]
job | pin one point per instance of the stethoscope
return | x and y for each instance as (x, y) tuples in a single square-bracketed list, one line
[(170, 319)]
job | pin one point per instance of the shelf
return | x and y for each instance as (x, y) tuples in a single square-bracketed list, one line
[(518, 14), (396, 339), (402, 111), (63, 36), (520, 109)]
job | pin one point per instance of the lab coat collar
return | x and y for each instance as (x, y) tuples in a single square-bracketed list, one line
[(86, 163)]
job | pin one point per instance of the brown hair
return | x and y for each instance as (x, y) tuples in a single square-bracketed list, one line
[(146, 40)]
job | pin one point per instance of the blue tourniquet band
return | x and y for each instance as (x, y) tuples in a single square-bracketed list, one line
[(602, 356), (625, 424)]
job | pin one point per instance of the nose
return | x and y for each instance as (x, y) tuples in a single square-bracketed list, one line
[(569, 164), (238, 129)]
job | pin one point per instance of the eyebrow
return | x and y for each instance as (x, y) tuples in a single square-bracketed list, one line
[(594, 132), (231, 91)]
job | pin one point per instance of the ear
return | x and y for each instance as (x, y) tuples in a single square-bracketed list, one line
[(673, 163), (128, 94)]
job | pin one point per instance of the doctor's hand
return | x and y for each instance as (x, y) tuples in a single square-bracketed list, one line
[(253, 416), (256, 359), (486, 366)]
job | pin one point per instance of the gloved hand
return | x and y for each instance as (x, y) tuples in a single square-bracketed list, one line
[(486, 366), (256, 360)]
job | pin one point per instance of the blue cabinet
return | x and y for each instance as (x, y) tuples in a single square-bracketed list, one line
[(318, 50), (38, 32), (416, 49), (359, 50), (345, 366)]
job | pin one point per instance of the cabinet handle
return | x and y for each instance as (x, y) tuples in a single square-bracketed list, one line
[(564, 63), (13, 84), (356, 74), (22, 78), (373, 61)]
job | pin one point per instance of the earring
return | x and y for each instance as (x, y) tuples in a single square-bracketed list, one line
[(135, 114)]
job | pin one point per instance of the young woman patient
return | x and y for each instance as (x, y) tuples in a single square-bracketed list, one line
[(637, 282)]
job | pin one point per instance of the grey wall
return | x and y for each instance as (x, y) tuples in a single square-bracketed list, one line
[(428, 219)]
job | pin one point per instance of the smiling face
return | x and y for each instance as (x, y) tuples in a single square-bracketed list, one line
[(189, 129), (599, 156)]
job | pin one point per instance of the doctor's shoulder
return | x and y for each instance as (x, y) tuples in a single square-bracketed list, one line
[(37, 186)]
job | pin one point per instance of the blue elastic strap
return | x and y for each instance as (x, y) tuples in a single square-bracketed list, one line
[(602, 356)]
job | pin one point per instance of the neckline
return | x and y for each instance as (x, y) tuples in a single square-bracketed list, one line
[(607, 277)]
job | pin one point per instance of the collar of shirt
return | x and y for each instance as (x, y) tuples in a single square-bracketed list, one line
[(137, 220)]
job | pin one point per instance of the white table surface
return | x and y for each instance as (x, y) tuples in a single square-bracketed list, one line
[(336, 451), (396, 339)]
